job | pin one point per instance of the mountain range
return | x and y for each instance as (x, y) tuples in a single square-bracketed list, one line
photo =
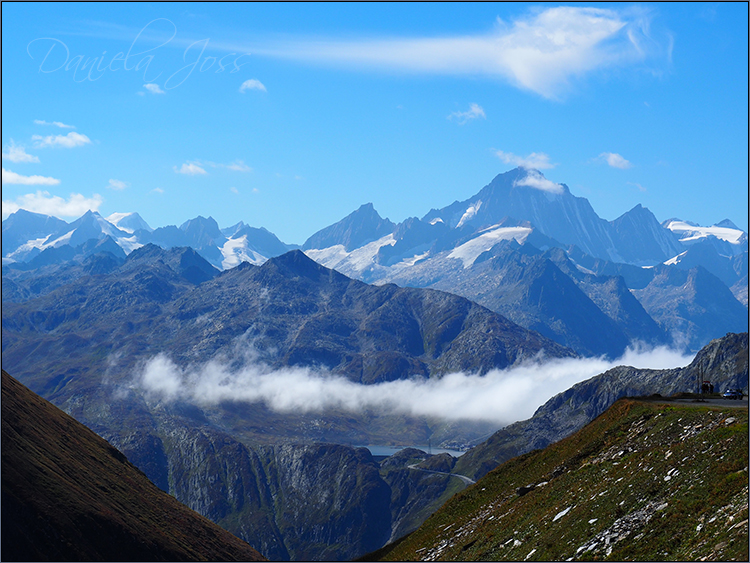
[(522, 246), (185, 346)]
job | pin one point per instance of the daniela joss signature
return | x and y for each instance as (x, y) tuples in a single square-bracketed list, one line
[(54, 55)]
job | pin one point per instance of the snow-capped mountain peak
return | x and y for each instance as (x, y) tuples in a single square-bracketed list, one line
[(129, 222)]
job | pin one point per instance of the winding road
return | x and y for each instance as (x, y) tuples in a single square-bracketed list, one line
[(463, 478)]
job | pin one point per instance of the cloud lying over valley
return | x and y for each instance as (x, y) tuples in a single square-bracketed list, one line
[(42, 202), (500, 396)]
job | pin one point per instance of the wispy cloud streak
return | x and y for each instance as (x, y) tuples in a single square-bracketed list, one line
[(541, 52)]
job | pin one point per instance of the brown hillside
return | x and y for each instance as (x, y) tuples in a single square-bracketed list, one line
[(68, 495)]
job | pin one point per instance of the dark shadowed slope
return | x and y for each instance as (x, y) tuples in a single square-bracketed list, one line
[(67, 495)]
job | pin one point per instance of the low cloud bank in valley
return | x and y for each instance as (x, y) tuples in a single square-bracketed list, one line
[(500, 396)]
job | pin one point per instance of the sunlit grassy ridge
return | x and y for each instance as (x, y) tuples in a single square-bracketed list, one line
[(643, 481)]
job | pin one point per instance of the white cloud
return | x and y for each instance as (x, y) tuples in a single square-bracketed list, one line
[(475, 111), (43, 202), (158, 191), (500, 396), (117, 184), (16, 153), (239, 166), (68, 141), (534, 179), (55, 123), (540, 52), (252, 84), (13, 178), (154, 88), (191, 168), (234, 190), (615, 160), (537, 160)]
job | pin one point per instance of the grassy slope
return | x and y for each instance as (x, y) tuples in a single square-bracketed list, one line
[(69, 495), (643, 481)]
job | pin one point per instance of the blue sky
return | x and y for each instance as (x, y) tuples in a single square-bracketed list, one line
[(290, 117)]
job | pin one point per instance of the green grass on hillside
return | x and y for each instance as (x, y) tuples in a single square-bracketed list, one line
[(641, 482)]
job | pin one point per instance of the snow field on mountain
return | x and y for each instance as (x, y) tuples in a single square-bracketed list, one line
[(470, 251)]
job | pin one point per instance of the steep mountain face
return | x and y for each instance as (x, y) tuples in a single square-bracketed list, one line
[(692, 304), (23, 226), (645, 481), (703, 253), (295, 312), (527, 195), (613, 297), (69, 495), (724, 362), (355, 230), (528, 288), (641, 240), (314, 502)]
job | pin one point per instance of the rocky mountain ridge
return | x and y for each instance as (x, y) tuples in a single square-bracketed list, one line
[(446, 250), (723, 361)]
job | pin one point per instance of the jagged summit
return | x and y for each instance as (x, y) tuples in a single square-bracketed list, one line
[(356, 229), (296, 263)]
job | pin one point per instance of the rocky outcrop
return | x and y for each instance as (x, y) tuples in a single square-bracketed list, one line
[(724, 362)]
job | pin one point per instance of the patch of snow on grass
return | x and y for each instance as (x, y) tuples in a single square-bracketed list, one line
[(561, 514)]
